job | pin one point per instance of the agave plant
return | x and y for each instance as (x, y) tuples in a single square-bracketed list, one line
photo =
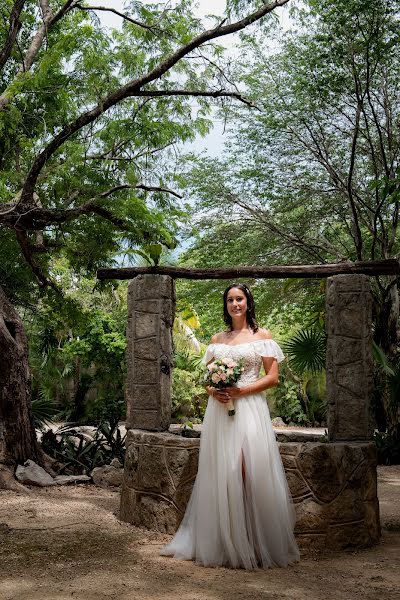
[(79, 452)]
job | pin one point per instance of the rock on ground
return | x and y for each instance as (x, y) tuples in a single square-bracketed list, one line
[(32, 474)]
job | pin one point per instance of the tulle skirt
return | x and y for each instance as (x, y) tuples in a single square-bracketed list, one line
[(240, 512)]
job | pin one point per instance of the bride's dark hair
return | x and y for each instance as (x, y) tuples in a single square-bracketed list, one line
[(251, 309)]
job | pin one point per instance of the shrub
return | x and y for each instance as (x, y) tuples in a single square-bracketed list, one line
[(387, 447), (189, 397), (285, 401)]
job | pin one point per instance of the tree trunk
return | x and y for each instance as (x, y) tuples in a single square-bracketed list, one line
[(386, 333), (387, 337), (17, 434)]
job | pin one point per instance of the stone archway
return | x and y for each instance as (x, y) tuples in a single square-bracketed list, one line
[(333, 484)]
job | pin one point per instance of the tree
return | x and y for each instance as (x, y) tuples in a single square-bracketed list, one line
[(86, 122), (314, 173)]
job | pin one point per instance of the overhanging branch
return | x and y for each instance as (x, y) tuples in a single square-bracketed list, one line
[(135, 86), (37, 217)]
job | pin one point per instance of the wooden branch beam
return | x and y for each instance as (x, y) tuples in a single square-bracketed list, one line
[(373, 268)]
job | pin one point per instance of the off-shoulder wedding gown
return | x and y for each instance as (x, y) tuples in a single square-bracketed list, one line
[(240, 512)]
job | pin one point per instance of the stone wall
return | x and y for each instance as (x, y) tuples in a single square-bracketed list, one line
[(333, 487), (151, 307), (349, 366)]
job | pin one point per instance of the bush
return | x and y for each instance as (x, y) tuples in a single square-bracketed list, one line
[(285, 402), (189, 397), (387, 447)]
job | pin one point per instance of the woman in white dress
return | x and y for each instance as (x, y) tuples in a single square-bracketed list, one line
[(240, 512)]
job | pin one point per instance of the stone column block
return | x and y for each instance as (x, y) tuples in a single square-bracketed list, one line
[(151, 307), (349, 366)]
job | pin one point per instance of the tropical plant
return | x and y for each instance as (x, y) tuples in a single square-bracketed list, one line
[(44, 411), (388, 448), (186, 322), (79, 453), (387, 387), (285, 400), (189, 397), (306, 350)]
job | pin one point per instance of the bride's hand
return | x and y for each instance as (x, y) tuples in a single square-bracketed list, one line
[(220, 395), (233, 392)]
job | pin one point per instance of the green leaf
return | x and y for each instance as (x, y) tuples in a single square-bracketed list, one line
[(306, 350)]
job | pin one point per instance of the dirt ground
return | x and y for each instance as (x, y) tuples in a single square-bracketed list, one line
[(65, 542)]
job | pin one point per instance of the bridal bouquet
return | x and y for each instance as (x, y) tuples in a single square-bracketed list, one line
[(223, 373)]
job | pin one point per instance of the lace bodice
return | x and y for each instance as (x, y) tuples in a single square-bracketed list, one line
[(250, 352)]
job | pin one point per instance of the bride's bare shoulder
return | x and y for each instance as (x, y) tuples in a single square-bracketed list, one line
[(264, 334), (219, 338)]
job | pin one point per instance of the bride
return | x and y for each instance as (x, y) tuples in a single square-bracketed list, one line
[(240, 512)]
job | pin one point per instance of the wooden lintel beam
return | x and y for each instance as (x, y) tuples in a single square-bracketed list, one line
[(372, 268)]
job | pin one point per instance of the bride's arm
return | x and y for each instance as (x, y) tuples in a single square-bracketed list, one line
[(268, 381)]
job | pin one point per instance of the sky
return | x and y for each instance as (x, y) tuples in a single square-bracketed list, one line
[(213, 142)]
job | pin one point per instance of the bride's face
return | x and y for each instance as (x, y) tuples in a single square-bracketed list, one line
[(236, 303)]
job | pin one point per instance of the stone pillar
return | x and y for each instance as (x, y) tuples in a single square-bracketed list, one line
[(151, 307), (349, 367)]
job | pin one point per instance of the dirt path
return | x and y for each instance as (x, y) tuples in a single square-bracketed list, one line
[(63, 543)]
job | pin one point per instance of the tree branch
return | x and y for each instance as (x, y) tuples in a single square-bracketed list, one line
[(196, 93), (311, 248), (151, 28), (356, 226), (15, 25), (152, 188), (27, 252), (134, 86), (48, 21), (37, 217)]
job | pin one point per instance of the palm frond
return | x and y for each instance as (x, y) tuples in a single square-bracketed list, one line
[(44, 411), (381, 359), (306, 351)]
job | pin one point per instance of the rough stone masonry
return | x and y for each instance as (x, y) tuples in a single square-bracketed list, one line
[(349, 366), (151, 309)]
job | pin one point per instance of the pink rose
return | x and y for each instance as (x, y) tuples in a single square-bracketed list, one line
[(223, 376), (215, 378)]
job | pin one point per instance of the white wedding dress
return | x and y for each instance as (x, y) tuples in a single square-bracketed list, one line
[(240, 512)]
